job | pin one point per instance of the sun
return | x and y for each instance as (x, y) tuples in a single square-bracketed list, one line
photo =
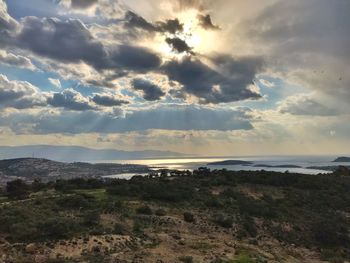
[(193, 34)]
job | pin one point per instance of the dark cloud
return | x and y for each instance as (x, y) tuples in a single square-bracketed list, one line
[(134, 58), (66, 40), (82, 4), (71, 100), (71, 41), (151, 92), (171, 25), (134, 20), (108, 100), (229, 83), (179, 45), (206, 22), (172, 117)]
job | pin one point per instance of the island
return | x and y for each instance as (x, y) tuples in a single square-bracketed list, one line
[(278, 166), (231, 162), (342, 160)]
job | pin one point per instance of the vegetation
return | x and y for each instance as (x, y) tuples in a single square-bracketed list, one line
[(308, 211)]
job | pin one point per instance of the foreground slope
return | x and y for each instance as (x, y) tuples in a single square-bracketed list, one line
[(207, 216)]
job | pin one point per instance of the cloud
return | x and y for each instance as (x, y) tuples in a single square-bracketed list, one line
[(306, 105), (7, 23), (19, 94), (68, 41), (179, 45), (134, 58), (133, 20), (71, 100), (15, 60), (108, 100), (55, 82), (71, 41), (206, 22), (307, 42), (172, 26), (187, 4), (83, 4), (229, 82), (171, 117), (151, 92)]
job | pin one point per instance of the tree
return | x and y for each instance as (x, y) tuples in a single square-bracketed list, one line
[(17, 189)]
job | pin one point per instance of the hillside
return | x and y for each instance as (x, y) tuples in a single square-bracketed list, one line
[(342, 160), (231, 162), (78, 154), (29, 169), (204, 216)]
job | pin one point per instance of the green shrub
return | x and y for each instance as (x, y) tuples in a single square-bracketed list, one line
[(160, 212), (189, 217), (223, 221), (91, 218), (244, 259), (17, 189), (186, 259), (144, 210), (120, 229), (74, 202)]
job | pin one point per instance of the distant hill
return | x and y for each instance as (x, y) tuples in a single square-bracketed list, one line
[(46, 170), (231, 162), (277, 166), (78, 154), (342, 160)]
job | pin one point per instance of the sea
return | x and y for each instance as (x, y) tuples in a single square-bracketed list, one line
[(192, 163)]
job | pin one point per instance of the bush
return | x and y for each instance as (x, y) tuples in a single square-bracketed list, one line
[(57, 228), (213, 202), (144, 210), (73, 202), (249, 226), (120, 229), (189, 217), (330, 232), (91, 218), (244, 259), (160, 212), (17, 189), (223, 221), (186, 259)]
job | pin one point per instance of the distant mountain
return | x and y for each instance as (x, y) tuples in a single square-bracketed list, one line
[(231, 162), (78, 154), (342, 160)]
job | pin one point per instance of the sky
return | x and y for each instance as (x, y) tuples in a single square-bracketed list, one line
[(210, 78)]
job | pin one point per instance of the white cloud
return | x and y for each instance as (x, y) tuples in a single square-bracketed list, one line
[(19, 94), (55, 82), (15, 60)]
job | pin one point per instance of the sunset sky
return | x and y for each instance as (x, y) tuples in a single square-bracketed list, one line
[(223, 77)]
